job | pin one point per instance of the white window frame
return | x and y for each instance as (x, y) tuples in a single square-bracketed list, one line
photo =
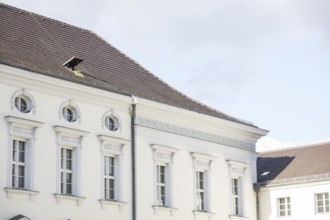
[(162, 185), (202, 163), (324, 200), (67, 171), (200, 190), (17, 163), (22, 130), (237, 175), (112, 147), (236, 196), (116, 121), (28, 98), (110, 175), (71, 139), (287, 207), (76, 114), (163, 156)]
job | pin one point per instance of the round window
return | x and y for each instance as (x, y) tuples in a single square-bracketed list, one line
[(111, 123), (69, 114), (22, 104)]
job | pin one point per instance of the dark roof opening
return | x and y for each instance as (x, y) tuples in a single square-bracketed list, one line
[(72, 63), (20, 217)]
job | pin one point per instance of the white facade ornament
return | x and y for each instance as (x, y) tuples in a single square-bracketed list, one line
[(219, 139), (29, 98)]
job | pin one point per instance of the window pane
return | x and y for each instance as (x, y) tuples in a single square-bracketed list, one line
[(21, 157), (109, 123), (20, 104), (21, 171), (112, 184), (13, 170), (69, 164), (68, 188), (13, 183), (14, 150), (68, 178), (112, 166), (20, 182)]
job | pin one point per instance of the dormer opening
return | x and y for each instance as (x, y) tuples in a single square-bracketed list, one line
[(72, 63)]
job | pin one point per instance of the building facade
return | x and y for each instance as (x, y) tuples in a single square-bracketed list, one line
[(87, 133), (294, 183)]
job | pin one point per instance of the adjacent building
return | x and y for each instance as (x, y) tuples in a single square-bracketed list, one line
[(87, 133), (294, 183)]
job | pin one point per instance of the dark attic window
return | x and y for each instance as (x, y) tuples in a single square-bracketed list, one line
[(72, 63)]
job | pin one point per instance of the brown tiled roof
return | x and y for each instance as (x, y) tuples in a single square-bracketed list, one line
[(43, 45), (292, 163)]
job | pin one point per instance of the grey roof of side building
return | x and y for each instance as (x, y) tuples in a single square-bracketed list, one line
[(40, 44), (293, 165)]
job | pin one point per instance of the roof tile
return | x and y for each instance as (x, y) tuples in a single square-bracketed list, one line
[(42, 45)]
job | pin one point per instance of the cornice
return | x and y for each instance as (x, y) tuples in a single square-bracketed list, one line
[(193, 133)]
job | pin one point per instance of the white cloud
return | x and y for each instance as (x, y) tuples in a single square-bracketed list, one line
[(267, 143)]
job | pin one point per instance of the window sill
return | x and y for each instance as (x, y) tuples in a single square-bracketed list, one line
[(105, 202), (237, 217), (158, 208), (60, 197), (202, 213), (11, 191)]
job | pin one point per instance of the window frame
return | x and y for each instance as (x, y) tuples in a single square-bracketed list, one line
[(200, 190), (65, 171), (114, 148), (17, 163), (202, 164), (324, 200), (111, 115), (163, 156), (286, 205), (109, 177), (75, 114), (162, 185), (28, 99), (25, 131), (237, 172), (70, 139)]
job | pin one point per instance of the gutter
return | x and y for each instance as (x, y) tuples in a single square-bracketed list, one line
[(256, 187), (133, 117)]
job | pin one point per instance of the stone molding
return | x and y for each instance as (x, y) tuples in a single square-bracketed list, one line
[(193, 133)]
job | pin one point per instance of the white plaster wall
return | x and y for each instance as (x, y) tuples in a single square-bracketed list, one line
[(302, 200), (49, 93), (183, 191)]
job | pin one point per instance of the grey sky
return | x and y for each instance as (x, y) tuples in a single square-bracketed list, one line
[(262, 61)]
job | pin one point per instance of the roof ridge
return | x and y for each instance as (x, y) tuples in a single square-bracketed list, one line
[(302, 146), (43, 17)]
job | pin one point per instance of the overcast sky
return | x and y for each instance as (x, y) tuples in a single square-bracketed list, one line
[(264, 61)]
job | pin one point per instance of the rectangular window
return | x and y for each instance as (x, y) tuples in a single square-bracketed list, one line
[(284, 206), (161, 185), (18, 164), (200, 190), (236, 196), (322, 203), (67, 171), (109, 178)]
